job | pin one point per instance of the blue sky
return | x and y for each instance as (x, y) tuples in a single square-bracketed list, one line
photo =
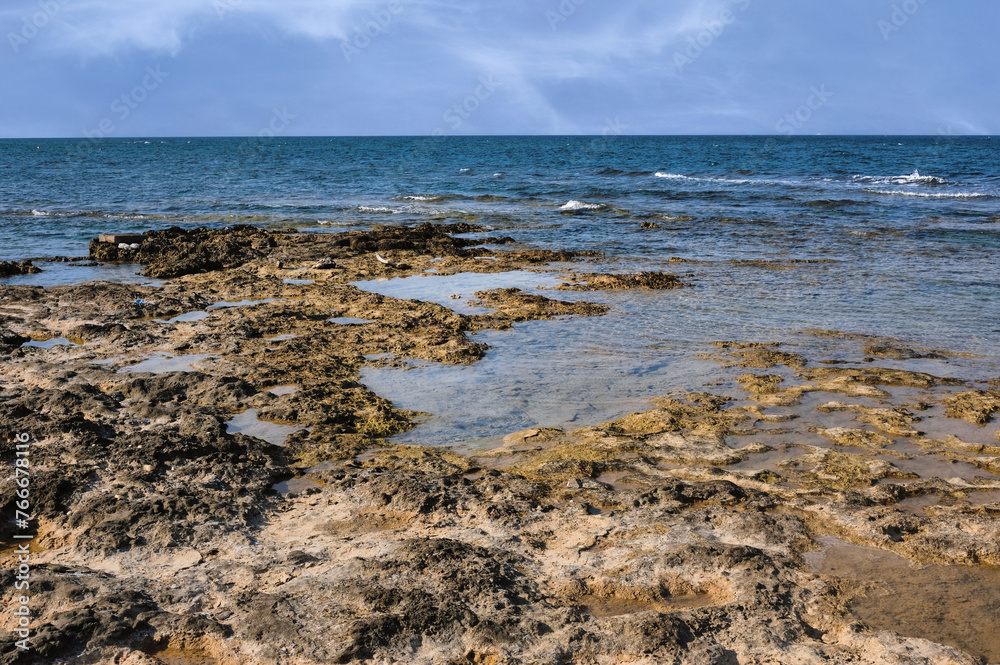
[(375, 67)]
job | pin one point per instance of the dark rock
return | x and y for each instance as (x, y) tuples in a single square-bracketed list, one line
[(11, 268)]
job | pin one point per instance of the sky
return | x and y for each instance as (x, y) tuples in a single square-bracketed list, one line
[(73, 68)]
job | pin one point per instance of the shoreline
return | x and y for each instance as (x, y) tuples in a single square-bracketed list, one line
[(673, 535)]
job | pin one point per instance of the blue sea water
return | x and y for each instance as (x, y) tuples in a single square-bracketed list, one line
[(912, 225)]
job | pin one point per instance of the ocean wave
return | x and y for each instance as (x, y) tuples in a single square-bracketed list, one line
[(913, 179), (76, 213), (731, 181), (931, 195), (381, 209), (423, 198), (580, 205)]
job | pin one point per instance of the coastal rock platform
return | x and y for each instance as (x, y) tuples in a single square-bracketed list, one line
[(804, 510)]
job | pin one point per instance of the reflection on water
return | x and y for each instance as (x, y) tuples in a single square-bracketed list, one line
[(585, 370), (49, 343), (348, 321), (66, 274), (199, 315), (161, 363), (453, 291), (249, 424), (954, 605)]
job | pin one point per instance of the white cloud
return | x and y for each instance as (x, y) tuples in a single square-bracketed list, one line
[(104, 27)]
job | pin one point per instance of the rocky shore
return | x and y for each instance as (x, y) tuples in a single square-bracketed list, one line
[(804, 510)]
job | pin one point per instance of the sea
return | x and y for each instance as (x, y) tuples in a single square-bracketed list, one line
[(902, 235)]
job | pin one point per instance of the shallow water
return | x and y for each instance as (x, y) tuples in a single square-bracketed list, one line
[(455, 291), (162, 363), (64, 274), (199, 315), (50, 343), (954, 605), (910, 225), (348, 321), (249, 424)]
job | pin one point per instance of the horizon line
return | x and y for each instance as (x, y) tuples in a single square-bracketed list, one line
[(466, 136)]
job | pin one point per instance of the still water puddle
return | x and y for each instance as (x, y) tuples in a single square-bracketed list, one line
[(348, 321), (162, 363), (954, 605), (49, 343), (280, 338), (295, 486), (249, 424), (566, 374), (198, 315), (453, 291), (69, 274), (283, 390)]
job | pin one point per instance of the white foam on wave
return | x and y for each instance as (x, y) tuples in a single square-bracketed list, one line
[(930, 195), (732, 181), (580, 205), (40, 213), (381, 209), (913, 179), (420, 198)]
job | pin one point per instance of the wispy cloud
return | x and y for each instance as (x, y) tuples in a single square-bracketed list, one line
[(94, 28)]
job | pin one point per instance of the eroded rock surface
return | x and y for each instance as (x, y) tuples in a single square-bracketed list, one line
[(679, 534)]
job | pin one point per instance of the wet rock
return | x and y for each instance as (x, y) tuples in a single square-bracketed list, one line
[(760, 384), (606, 281), (977, 406), (879, 376), (11, 268), (514, 305), (754, 354), (893, 352), (10, 340), (894, 422), (675, 534), (858, 438), (175, 251)]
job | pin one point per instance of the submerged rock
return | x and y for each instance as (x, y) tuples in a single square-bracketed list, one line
[(607, 281)]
